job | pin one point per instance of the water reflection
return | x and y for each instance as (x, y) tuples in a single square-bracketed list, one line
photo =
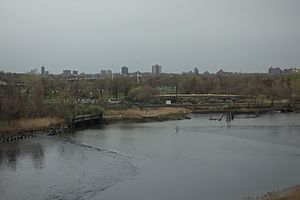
[(59, 168), (70, 151), (10, 154), (158, 160)]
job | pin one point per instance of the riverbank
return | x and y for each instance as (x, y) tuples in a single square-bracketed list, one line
[(185, 150), (292, 193), (10, 131), (28, 128), (146, 114), (241, 108), (29, 124), (113, 114)]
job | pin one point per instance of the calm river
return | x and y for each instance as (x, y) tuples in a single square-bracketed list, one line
[(187, 159)]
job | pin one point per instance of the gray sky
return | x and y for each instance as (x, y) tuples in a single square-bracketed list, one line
[(90, 35)]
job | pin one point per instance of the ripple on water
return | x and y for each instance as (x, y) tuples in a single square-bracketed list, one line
[(70, 170)]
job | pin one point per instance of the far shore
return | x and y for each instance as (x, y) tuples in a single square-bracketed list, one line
[(115, 114), (109, 115), (146, 114), (292, 193)]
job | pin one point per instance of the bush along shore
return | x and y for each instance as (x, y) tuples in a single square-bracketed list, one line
[(59, 122), (145, 114), (29, 128)]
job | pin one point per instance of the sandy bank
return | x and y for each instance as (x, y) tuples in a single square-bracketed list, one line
[(28, 124), (291, 194)]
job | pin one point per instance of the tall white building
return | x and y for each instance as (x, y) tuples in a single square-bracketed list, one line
[(156, 69), (67, 73)]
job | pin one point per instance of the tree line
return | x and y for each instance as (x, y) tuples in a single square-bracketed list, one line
[(31, 96)]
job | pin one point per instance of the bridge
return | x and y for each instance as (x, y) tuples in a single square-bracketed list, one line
[(82, 120), (212, 98)]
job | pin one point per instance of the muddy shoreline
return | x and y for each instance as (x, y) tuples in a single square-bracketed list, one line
[(31, 133), (136, 115), (110, 116), (290, 193)]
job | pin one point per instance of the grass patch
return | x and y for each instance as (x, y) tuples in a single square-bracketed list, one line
[(137, 113), (87, 109), (25, 124)]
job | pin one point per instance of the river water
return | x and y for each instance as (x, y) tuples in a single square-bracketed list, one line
[(186, 159)]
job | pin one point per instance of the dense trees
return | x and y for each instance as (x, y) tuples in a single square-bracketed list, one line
[(28, 96), (142, 94)]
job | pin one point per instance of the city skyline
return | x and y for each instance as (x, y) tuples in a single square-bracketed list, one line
[(247, 36), (157, 69), (148, 69)]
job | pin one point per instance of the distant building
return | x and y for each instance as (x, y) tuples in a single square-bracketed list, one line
[(12, 89), (275, 71), (206, 73), (196, 71), (287, 71), (124, 70), (221, 72), (34, 71), (296, 71), (43, 71), (47, 73), (103, 72), (75, 72), (156, 69), (109, 72), (106, 73), (67, 73)]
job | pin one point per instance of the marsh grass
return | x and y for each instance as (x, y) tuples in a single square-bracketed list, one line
[(137, 113), (25, 124), (291, 195)]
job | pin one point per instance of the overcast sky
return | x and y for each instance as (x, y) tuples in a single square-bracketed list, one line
[(90, 35)]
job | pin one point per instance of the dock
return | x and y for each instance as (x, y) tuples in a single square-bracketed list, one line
[(83, 120)]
